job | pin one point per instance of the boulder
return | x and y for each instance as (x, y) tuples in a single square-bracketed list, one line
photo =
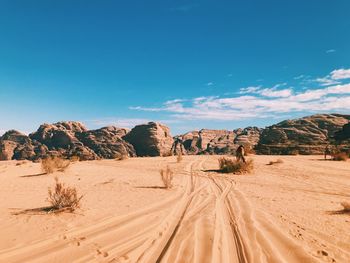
[(151, 139)]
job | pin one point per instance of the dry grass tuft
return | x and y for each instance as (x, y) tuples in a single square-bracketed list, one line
[(74, 158), (275, 162), (120, 157), (52, 164), (167, 177), (63, 198), (341, 156), (346, 206), (179, 157), (228, 165)]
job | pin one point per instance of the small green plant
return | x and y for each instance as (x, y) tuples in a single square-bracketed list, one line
[(228, 165)]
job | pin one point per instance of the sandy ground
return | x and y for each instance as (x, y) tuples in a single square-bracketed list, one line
[(288, 212)]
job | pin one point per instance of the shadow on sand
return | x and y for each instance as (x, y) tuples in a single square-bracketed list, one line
[(40, 210), (33, 175), (151, 187), (339, 212)]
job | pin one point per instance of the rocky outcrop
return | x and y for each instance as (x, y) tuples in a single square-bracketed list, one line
[(107, 142), (60, 138), (208, 141), (16, 145), (151, 139), (308, 135), (343, 134)]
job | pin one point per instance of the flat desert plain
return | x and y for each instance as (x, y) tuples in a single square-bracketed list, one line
[(286, 212)]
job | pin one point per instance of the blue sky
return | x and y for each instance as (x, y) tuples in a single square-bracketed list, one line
[(189, 64)]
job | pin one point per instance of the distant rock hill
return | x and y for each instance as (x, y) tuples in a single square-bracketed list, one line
[(308, 135), (215, 141)]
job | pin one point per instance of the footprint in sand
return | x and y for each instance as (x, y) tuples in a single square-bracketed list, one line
[(101, 253)]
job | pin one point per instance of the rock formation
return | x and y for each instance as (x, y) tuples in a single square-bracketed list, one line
[(107, 142), (208, 141), (151, 139), (16, 145), (308, 135)]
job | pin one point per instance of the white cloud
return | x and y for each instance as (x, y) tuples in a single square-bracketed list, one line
[(326, 81), (340, 74), (268, 92), (330, 51), (262, 103), (210, 83), (299, 77), (275, 93), (124, 122), (250, 89)]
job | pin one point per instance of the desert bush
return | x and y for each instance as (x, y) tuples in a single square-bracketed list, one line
[(341, 156), (167, 177), (52, 164), (249, 150), (228, 165), (63, 198), (346, 206), (74, 158), (179, 157), (120, 157), (275, 162)]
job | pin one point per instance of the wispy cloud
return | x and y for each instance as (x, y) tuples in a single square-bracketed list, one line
[(262, 102), (184, 8), (330, 51), (299, 77), (339, 74), (326, 81), (268, 92), (210, 83), (123, 122), (335, 77)]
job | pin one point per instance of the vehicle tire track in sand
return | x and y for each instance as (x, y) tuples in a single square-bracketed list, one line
[(262, 240), (115, 232)]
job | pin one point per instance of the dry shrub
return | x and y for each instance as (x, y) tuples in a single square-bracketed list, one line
[(228, 165), (20, 163), (64, 198), (341, 156), (167, 177), (52, 164), (179, 157), (120, 157), (275, 162), (346, 206), (74, 158)]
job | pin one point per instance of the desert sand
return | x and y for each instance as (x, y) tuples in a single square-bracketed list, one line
[(287, 212)]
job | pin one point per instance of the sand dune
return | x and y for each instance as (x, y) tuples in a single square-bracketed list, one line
[(288, 212)]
